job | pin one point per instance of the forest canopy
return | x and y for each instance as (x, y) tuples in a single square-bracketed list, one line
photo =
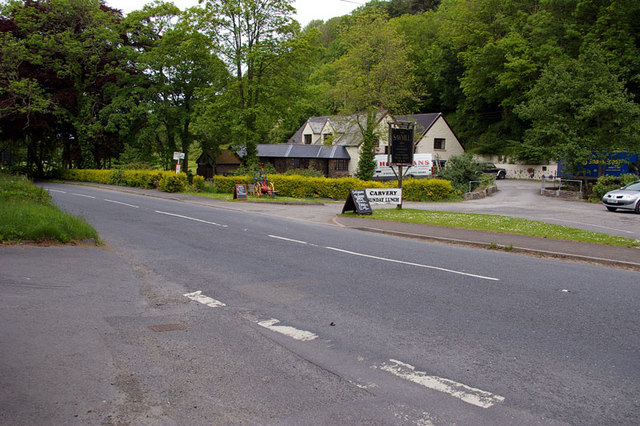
[(83, 86)]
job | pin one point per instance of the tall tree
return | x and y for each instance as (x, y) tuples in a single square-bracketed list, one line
[(62, 58), (250, 35), (178, 63), (374, 73)]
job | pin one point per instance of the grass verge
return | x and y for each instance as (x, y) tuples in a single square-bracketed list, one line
[(503, 224), (27, 214)]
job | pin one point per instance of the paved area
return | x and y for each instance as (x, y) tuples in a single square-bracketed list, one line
[(517, 198)]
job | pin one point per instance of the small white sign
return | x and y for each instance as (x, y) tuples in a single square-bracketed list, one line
[(178, 155), (384, 195)]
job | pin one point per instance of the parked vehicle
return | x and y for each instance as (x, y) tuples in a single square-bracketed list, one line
[(627, 198), (491, 168), (422, 167)]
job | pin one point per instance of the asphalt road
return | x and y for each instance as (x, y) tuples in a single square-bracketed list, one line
[(195, 315)]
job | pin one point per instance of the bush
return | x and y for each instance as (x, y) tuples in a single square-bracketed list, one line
[(171, 182), (609, 183), (426, 189), (197, 184), (460, 170)]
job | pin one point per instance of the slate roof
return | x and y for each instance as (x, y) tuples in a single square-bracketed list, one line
[(423, 122), (302, 151), (346, 129)]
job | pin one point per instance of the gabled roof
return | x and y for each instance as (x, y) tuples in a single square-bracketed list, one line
[(302, 151), (423, 122), (347, 131)]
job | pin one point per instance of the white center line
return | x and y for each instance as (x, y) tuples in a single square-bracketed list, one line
[(461, 391), (56, 190), (294, 333), (191, 218), (289, 239), (205, 300), (122, 204), (414, 264), (82, 195)]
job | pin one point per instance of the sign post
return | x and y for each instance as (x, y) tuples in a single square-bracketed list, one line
[(401, 148), (178, 156)]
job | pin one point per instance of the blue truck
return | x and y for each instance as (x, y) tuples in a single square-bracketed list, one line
[(615, 163)]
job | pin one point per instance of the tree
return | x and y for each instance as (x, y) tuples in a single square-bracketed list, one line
[(579, 107), (374, 72), (249, 36), (178, 63), (60, 63)]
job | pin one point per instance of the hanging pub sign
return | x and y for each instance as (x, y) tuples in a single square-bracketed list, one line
[(357, 201), (401, 143)]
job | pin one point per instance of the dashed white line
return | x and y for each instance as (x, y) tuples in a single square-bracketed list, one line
[(205, 300), (461, 391), (413, 264), (294, 333), (83, 195), (56, 190), (191, 218), (290, 240), (121, 203)]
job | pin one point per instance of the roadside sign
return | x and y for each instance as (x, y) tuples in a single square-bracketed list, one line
[(178, 155), (384, 195), (240, 192), (358, 202)]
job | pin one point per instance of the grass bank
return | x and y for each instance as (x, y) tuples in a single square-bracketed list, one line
[(503, 224), (27, 214)]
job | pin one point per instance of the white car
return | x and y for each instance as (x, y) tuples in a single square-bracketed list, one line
[(627, 198)]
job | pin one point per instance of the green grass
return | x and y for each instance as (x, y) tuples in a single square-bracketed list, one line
[(503, 224), (27, 214)]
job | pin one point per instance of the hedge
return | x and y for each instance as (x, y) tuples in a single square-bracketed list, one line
[(315, 187), (288, 186), (149, 179)]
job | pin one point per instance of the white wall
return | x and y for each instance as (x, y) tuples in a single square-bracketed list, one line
[(440, 129), (522, 171)]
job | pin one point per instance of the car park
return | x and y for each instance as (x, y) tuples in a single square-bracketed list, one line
[(625, 198), (491, 168)]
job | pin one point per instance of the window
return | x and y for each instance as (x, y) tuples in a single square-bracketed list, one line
[(438, 143), (307, 139), (327, 138), (340, 165)]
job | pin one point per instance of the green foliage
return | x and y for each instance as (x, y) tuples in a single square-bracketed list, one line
[(609, 183), (171, 182), (460, 170), (253, 167), (197, 184), (426, 189)]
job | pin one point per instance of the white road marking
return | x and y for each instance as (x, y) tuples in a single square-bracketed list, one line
[(191, 218), (294, 333), (55, 190), (461, 391), (123, 204), (289, 239), (82, 195), (414, 264), (205, 300)]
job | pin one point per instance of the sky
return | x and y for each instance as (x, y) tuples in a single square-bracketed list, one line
[(307, 10)]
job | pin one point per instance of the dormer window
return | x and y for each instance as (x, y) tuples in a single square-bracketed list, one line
[(307, 139)]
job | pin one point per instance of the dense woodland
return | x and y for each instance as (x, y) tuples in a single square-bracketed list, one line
[(82, 86)]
